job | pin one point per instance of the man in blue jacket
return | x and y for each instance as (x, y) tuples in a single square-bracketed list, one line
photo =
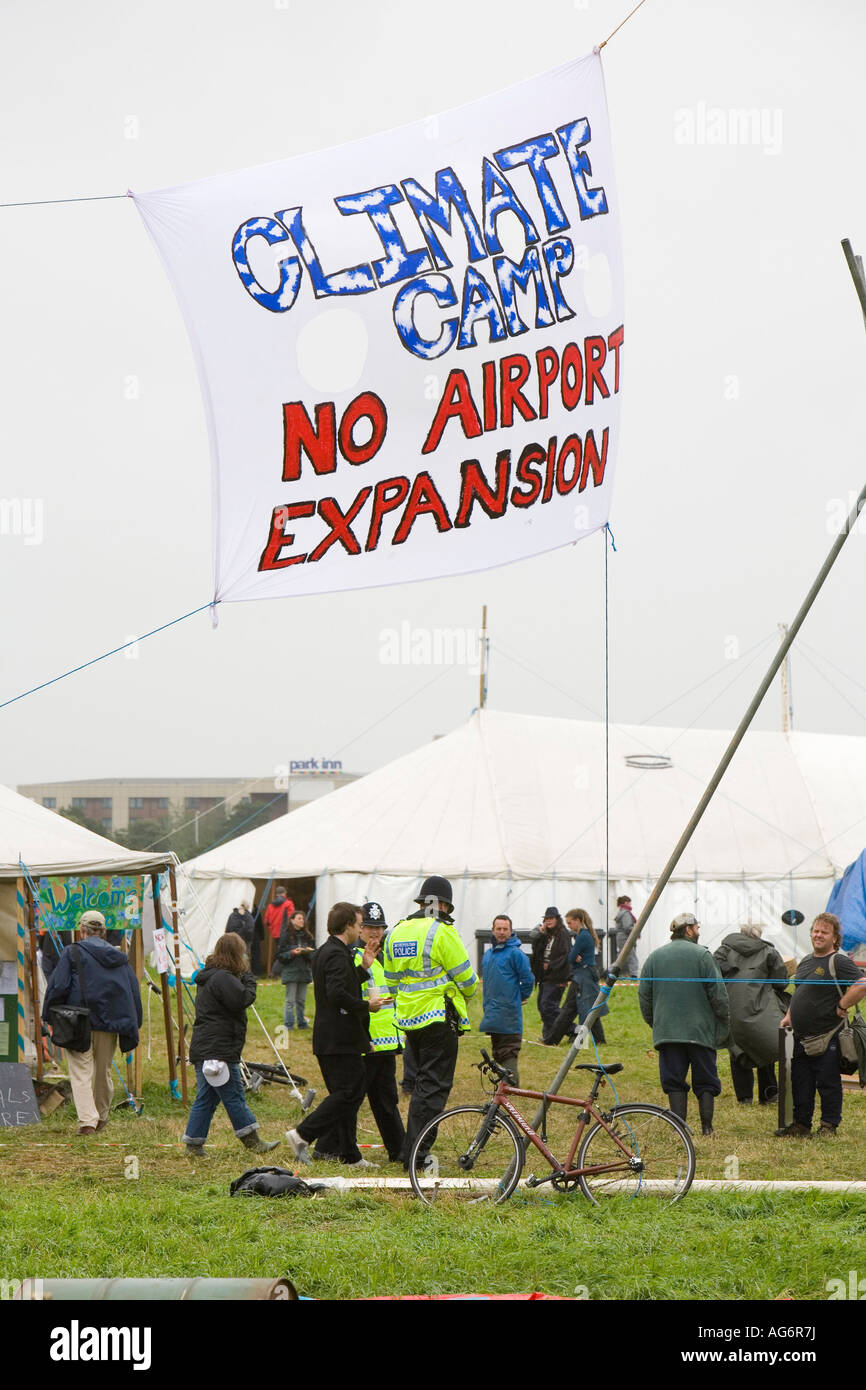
[(99, 976), (507, 981)]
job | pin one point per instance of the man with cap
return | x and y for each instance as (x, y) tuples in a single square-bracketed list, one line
[(98, 977), (682, 997), (550, 948), (385, 1040), (427, 969)]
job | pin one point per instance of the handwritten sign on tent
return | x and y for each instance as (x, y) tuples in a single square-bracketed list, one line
[(63, 900), (410, 346), (18, 1104)]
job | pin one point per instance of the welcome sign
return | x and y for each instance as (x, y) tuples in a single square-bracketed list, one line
[(409, 347), (62, 901)]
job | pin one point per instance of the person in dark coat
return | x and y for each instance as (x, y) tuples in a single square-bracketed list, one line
[(243, 924), (583, 990), (225, 989), (507, 982), (295, 955), (756, 1010), (97, 976), (341, 1038), (550, 964), (682, 997), (51, 944)]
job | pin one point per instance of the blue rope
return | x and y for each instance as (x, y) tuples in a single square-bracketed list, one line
[(84, 665)]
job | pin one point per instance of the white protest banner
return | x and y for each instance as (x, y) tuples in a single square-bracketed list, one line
[(160, 950), (409, 347)]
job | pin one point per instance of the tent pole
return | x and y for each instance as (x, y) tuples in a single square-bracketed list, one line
[(178, 985), (856, 268), (166, 1000), (138, 948), (34, 979)]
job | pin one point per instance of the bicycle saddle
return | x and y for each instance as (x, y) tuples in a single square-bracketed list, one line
[(610, 1070)]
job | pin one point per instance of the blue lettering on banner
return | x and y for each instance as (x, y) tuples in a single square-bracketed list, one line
[(488, 303), (404, 948)]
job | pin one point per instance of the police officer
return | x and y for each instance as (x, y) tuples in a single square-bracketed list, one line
[(386, 1041), (428, 970)]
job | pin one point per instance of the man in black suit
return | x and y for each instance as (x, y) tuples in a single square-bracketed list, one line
[(341, 1037)]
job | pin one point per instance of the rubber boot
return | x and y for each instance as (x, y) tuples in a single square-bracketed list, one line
[(259, 1146), (196, 1150), (678, 1102), (706, 1104)]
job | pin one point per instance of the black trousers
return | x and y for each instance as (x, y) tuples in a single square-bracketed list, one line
[(381, 1090), (821, 1074), (674, 1062), (506, 1049), (434, 1052), (346, 1079), (743, 1077), (563, 1022)]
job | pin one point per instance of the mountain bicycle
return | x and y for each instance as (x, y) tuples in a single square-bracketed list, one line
[(476, 1153)]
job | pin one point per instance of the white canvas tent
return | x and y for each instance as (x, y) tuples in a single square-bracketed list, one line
[(511, 808), (48, 845)]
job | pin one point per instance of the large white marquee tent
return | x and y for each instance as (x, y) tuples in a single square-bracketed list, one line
[(512, 809)]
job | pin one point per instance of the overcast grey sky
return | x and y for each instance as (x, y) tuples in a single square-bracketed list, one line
[(743, 425)]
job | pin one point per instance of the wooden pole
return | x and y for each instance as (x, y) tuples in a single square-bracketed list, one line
[(178, 985), (166, 1002), (138, 947), (34, 980)]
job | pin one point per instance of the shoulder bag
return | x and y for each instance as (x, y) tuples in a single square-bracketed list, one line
[(70, 1023)]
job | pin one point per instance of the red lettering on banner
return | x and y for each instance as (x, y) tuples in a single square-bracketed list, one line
[(528, 473), (424, 498), (547, 367), (488, 375), (456, 403), (474, 488), (550, 476), (596, 352), (279, 538), (615, 342), (571, 389), (513, 374), (592, 461), (366, 406), (318, 441), (382, 504), (340, 524), (572, 447)]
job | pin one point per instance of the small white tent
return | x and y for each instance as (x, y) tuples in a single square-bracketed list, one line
[(47, 845), (512, 809)]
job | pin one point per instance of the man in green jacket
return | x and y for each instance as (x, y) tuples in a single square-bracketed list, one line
[(682, 996)]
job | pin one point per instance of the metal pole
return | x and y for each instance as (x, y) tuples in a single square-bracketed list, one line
[(482, 685), (178, 985), (727, 756)]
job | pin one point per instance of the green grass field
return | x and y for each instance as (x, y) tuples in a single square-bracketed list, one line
[(73, 1207)]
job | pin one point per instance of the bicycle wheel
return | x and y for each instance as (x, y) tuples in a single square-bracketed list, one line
[(660, 1162), (473, 1156)]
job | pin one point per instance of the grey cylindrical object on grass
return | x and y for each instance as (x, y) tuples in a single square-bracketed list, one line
[(157, 1290)]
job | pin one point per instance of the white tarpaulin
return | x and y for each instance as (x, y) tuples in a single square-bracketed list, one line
[(511, 808), (409, 346)]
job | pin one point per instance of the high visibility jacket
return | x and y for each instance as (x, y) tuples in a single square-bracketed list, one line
[(384, 1034), (425, 962)]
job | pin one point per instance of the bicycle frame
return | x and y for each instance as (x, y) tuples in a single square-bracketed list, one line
[(500, 1101)]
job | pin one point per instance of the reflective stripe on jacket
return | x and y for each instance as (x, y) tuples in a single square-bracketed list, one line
[(384, 1034), (425, 963)]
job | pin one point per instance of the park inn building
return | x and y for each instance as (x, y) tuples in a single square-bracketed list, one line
[(117, 803)]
